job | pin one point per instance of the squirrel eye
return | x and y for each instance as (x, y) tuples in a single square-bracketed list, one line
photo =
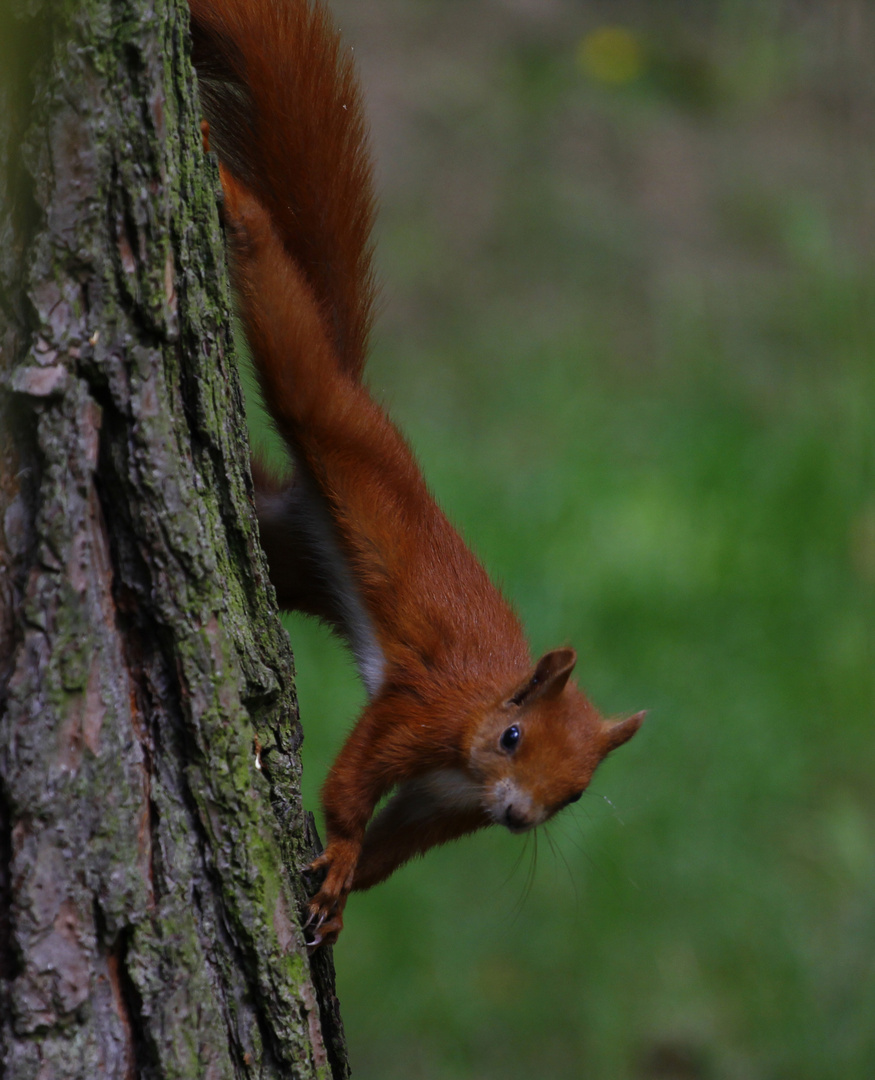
[(509, 738)]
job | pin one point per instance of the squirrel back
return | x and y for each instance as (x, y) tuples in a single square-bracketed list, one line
[(462, 727)]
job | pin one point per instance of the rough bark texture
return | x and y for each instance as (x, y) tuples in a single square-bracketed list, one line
[(151, 831)]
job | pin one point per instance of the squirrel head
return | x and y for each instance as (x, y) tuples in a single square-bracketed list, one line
[(536, 752)]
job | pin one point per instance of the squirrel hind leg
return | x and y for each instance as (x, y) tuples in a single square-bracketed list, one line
[(293, 562), (309, 570), (311, 573)]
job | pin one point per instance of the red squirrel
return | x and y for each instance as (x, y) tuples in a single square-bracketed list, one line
[(461, 727)]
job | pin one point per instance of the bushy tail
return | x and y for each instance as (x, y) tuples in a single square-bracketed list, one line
[(285, 115)]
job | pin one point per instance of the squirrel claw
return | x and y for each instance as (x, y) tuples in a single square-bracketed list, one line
[(323, 924), (315, 919), (325, 932)]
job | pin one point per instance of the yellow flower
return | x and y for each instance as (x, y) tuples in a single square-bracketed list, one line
[(611, 54)]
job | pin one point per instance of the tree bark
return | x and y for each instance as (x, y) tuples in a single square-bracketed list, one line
[(151, 829)]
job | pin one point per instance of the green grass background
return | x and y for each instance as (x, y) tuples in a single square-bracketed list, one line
[(627, 324)]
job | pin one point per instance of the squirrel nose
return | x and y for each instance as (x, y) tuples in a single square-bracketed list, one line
[(514, 820)]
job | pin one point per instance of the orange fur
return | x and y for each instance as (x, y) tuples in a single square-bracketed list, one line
[(461, 725)]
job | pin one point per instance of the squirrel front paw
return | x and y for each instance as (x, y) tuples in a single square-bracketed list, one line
[(326, 905)]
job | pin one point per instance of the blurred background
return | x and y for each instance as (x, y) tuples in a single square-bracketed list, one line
[(627, 324)]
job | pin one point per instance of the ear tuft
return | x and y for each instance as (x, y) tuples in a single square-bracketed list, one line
[(614, 735), (549, 677)]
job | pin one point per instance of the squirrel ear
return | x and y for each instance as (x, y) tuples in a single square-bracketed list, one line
[(614, 735), (549, 677)]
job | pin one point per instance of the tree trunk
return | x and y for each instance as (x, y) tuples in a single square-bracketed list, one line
[(151, 830)]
